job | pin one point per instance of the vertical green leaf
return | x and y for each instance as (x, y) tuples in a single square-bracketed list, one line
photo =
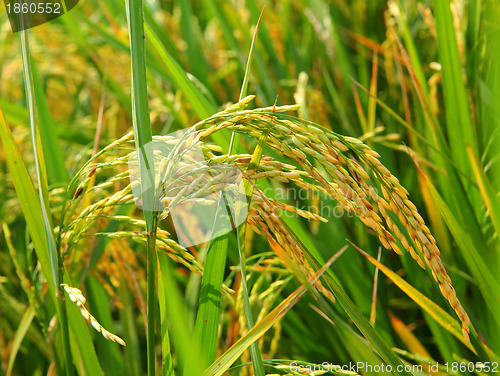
[(24, 325), (458, 121), (30, 206), (56, 171), (56, 262), (208, 317), (173, 307)]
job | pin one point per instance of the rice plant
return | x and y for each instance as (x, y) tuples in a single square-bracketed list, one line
[(251, 188)]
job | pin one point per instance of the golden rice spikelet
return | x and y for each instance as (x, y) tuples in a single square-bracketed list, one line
[(77, 297)]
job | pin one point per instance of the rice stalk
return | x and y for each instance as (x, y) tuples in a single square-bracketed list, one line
[(143, 137)]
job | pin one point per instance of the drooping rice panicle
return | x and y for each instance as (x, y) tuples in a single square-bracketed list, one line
[(347, 163)]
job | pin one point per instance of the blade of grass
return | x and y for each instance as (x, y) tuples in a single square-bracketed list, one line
[(406, 335), (235, 137), (225, 361), (172, 306), (194, 51), (29, 203), (372, 104), (167, 362), (373, 312), (487, 191), (208, 317), (267, 41), (458, 120), (258, 366), (55, 257), (207, 321), (23, 41), (24, 325), (359, 110), (192, 293), (128, 320), (32, 211), (412, 50), (436, 312), (56, 171)]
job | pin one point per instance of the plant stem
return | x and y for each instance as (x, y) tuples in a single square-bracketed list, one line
[(143, 142), (151, 294), (63, 318)]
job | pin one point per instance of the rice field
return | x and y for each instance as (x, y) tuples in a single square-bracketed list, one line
[(208, 187)]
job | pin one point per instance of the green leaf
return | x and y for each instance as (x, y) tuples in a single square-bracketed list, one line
[(208, 318), (28, 200), (201, 106), (258, 366), (458, 120), (56, 170), (225, 361), (367, 330), (172, 308), (30, 205), (362, 323), (56, 262), (487, 283), (488, 193), (24, 325), (435, 311)]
